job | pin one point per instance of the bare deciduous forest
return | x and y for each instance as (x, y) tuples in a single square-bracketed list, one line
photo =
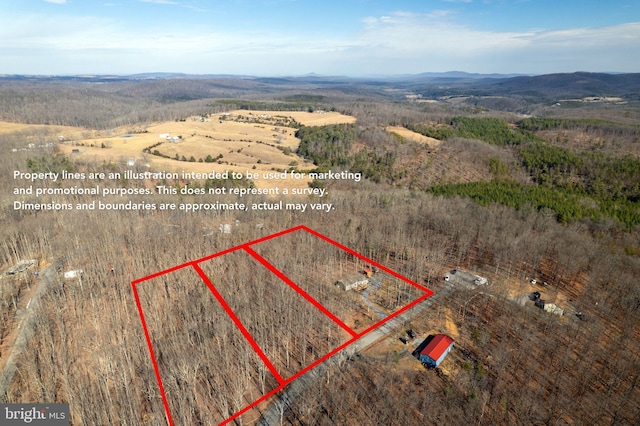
[(513, 363)]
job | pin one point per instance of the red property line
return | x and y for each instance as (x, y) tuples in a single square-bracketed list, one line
[(238, 324), (289, 380), (395, 314), (304, 294), (323, 359), (283, 382), (259, 240), (153, 357), (184, 265), (355, 253), (218, 254)]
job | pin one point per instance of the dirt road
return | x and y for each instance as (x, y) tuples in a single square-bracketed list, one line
[(25, 320), (274, 415)]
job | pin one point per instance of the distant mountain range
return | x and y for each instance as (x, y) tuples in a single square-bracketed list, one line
[(173, 75), (428, 84), (547, 86), (451, 75), (579, 83)]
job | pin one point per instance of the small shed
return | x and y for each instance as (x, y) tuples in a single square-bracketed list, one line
[(354, 282), (74, 273), (554, 309), (480, 281), (436, 350)]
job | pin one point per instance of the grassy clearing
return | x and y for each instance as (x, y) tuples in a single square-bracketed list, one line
[(246, 140), (413, 136)]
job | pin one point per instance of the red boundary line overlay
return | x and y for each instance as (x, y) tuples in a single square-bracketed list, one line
[(153, 357), (246, 247), (304, 294), (239, 324)]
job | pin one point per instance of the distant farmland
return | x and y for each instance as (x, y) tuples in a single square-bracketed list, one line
[(236, 140)]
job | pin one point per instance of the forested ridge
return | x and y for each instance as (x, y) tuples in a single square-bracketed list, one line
[(574, 185), (332, 146), (490, 129)]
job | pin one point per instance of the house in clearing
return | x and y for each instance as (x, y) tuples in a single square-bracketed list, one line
[(354, 282), (436, 350)]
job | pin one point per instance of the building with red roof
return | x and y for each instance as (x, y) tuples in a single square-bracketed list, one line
[(436, 350)]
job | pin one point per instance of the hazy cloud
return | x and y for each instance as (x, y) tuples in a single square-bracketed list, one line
[(160, 2), (437, 40), (400, 42)]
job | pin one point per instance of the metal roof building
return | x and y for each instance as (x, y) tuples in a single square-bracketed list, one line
[(436, 350)]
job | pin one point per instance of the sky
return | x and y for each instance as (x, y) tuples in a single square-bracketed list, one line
[(329, 37)]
